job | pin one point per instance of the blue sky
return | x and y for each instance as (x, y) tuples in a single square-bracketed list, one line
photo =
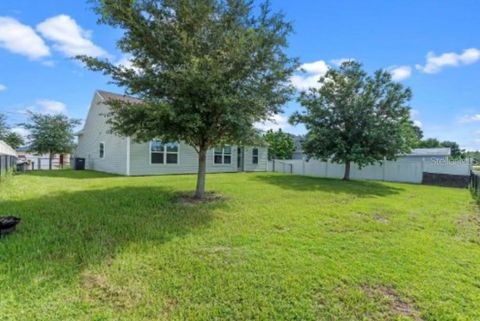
[(431, 46)]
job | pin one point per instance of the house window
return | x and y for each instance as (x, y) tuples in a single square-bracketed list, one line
[(255, 156), (163, 153), (101, 150), (222, 155)]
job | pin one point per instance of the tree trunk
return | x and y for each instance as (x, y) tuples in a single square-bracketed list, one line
[(346, 176), (50, 160), (202, 164)]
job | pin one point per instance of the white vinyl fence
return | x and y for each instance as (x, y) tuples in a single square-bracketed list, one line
[(402, 170)]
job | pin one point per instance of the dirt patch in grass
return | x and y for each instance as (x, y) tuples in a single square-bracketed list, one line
[(396, 305), (381, 218), (190, 199), (365, 302), (98, 289), (469, 227)]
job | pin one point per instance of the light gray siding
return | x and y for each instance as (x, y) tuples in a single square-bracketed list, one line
[(94, 132), (262, 159), (187, 161)]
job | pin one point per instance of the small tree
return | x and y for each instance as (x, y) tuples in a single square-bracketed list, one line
[(13, 139), (51, 134), (356, 118), (280, 144), (205, 70)]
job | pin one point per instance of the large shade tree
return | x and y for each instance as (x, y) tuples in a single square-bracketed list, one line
[(206, 70), (356, 118), (50, 134)]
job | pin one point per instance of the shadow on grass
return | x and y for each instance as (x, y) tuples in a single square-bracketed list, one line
[(329, 185), (69, 173), (63, 233)]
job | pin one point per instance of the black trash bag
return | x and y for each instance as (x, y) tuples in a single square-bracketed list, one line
[(8, 224)]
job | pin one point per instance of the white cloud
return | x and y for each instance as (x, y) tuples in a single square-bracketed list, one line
[(312, 73), (275, 123), (51, 106), (21, 131), (305, 82), (401, 73), (418, 123), (69, 38), (414, 112), (21, 39), (316, 67), (125, 62), (436, 63), (469, 119), (338, 62), (3, 87)]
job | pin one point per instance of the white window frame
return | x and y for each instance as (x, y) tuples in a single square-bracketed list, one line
[(223, 156), (164, 153), (253, 155), (100, 144)]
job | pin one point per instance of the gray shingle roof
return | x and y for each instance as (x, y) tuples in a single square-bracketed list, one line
[(109, 95)]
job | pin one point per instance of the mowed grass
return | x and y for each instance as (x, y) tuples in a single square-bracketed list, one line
[(98, 247)]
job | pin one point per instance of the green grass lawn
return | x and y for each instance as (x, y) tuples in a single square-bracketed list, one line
[(98, 247)]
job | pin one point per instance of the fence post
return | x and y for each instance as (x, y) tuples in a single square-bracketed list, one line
[(384, 168)]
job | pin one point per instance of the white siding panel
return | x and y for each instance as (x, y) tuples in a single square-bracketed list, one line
[(96, 131)]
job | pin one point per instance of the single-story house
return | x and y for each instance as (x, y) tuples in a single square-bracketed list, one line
[(107, 152)]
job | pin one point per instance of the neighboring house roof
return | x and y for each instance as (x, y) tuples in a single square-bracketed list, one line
[(5, 149), (297, 142), (430, 152)]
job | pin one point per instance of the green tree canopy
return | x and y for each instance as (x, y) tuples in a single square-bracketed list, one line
[(51, 134), (205, 70), (13, 139), (354, 117), (456, 151), (280, 144)]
